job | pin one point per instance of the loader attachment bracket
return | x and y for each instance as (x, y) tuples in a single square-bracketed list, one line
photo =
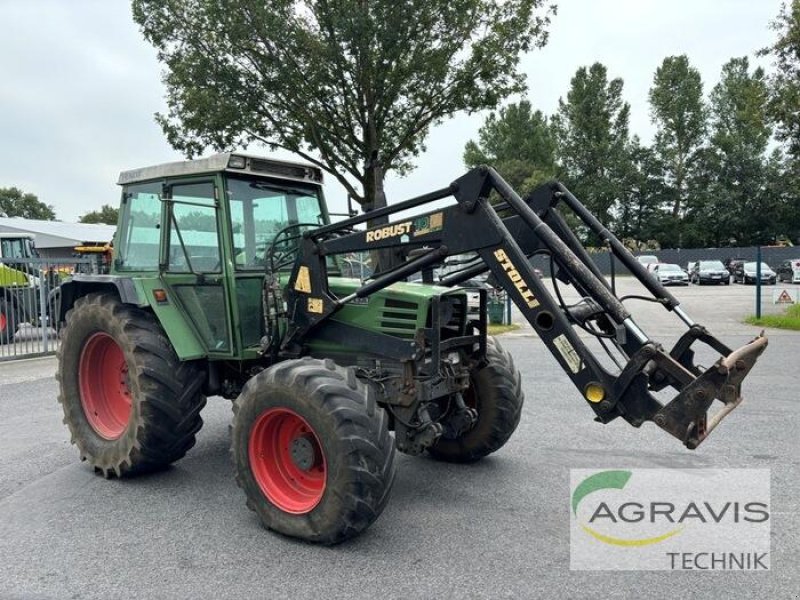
[(686, 417)]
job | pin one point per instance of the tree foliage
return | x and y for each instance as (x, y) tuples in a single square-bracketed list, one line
[(593, 139), (519, 143), (16, 203), (107, 214), (740, 207), (679, 113), (353, 87), (784, 104)]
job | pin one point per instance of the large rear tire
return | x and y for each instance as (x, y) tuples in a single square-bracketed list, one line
[(8, 321), (495, 392), (313, 451), (130, 404)]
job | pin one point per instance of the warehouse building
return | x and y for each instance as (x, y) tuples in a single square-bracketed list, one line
[(54, 239)]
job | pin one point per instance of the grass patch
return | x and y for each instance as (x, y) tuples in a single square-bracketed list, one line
[(789, 320), (498, 329)]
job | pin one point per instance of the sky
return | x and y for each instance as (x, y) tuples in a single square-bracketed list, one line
[(79, 87)]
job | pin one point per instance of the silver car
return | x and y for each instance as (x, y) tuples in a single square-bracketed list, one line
[(670, 274)]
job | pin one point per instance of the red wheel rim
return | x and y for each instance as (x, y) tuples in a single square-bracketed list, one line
[(103, 381), (287, 460)]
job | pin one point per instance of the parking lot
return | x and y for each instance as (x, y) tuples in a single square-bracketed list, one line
[(495, 529)]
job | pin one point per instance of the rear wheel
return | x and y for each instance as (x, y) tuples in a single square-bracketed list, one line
[(496, 394), (130, 404), (7, 321), (313, 451)]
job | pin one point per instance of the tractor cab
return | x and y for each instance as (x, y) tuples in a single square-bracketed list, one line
[(17, 245), (16, 250), (207, 230)]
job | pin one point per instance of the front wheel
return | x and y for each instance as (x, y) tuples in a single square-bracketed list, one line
[(313, 450), (495, 392)]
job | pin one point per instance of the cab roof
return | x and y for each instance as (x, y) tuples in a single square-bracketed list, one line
[(16, 235), (230, 162)]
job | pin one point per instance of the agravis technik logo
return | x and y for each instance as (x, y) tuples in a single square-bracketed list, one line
[(672, 519)]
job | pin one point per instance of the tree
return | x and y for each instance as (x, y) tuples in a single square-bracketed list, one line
[(593, 141), (679, 113), (352, 87), (16, 203), (107, 214), (785, 81), (641, 217), (519, 143), (740, 132)]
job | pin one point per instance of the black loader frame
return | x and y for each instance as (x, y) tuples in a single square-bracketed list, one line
[(532, 226)]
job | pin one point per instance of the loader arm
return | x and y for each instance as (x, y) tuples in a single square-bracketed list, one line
[(533, 226)]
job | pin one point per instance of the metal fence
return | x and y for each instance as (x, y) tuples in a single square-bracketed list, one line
[(30, 303), (771, 255)]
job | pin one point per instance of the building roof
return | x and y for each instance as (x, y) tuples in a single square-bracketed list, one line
[(55, 234)]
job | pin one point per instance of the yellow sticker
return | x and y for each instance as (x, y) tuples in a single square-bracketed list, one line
[(315, 305), (303, 283)]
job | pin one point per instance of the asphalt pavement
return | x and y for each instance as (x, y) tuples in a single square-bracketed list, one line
[(495, 529)]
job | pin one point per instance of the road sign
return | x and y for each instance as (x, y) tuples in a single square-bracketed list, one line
[(784, 296)]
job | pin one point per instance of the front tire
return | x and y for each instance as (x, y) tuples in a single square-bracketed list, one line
[(130, 404), (495, 392), (313, 451)]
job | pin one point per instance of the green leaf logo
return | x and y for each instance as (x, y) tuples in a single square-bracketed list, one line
[(616, 480)]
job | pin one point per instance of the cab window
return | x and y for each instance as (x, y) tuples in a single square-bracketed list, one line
[(138, 246), (193, 233), (261, 210)]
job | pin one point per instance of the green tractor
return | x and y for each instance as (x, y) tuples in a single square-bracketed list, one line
[(226, 281)]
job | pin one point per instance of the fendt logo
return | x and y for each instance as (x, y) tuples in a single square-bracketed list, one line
[(672, 519)]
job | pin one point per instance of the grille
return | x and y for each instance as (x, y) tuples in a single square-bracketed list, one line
[(399, 318)]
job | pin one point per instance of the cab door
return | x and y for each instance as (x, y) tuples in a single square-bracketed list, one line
[(192, 259)]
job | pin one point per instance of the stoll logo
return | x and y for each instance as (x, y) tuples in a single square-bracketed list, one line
[(670, 519)]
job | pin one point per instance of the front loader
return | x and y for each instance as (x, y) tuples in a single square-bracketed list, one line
[(227, 281)]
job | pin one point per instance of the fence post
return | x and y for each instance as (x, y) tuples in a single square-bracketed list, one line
[(43, 322), (758, 282)]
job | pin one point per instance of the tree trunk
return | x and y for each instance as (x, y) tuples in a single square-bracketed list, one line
[(375, 198)]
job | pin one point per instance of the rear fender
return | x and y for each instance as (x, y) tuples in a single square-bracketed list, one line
[(137, 292)]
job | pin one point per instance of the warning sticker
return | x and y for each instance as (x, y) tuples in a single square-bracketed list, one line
[(568, 353), (303, 283), (784, 296)]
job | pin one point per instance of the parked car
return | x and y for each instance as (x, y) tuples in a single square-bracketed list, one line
[(789, 271), (670, 274), (709, 271), (648, 260), (473, 295), (746, 273)]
